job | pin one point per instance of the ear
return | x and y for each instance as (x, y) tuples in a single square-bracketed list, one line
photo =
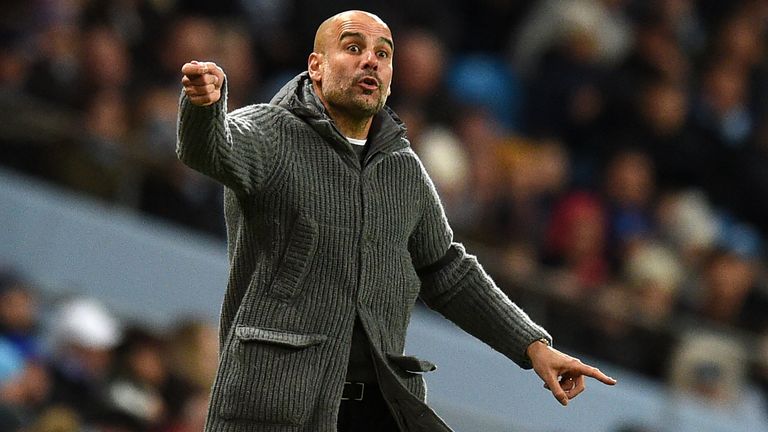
[(315, 67)]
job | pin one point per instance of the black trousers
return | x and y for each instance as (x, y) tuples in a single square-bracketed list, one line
[(368, 415)]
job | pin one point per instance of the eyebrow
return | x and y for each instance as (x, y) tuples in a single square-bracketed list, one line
[(359, 35)]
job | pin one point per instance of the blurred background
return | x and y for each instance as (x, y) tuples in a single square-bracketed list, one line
[(605, 159)]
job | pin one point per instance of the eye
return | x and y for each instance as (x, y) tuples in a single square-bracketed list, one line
[(353, 49), (383, 54)]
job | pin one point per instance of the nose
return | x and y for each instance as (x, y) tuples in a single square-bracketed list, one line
[(370, 60)]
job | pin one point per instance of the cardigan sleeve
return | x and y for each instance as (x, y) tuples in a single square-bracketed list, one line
[(233, 149), (454, 284)]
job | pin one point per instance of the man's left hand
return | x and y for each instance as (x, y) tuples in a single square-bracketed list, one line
[(562, 374)]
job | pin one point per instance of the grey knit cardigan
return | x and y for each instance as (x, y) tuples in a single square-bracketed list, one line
[(316, 238)]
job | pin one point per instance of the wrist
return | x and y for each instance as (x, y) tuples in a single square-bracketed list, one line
[(536, 346)]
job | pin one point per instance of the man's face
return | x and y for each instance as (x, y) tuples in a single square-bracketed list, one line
[(354, 69)]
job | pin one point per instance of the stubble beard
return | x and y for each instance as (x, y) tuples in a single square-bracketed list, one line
[(360, 106)]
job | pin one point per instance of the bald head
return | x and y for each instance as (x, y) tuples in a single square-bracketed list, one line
[(351, 69), (328, 30)]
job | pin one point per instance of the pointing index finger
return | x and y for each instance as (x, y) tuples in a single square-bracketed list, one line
[(598, 375)]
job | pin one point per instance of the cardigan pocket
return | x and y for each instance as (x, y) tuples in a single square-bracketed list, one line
[(295, 261), (271, 376), (278, 337)]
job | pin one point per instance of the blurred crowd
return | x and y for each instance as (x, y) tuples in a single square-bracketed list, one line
[(605, 158), (71, 365)]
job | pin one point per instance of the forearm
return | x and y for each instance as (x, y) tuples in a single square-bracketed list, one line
[(466, 295), (202, 132), (227, 148)]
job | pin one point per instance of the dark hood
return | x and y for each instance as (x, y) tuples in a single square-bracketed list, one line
[(298, 96)]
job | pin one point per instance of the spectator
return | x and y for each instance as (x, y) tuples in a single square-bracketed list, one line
[(238, 57), (729, 292), (420, 67), (102, 163), (536, 172), (613, 333), (24, 388), (711, 367), (12, 413), (654, 274), (576, 245), (106, 62), (191, 417), (84, 335), (486, 82), (55, 73), (601, 22), (447, 161), (629, 187), (192, 356), (483, 139), (19, 320), (58, 419), (688, 222), (662, 127), (188, 37), (133, 394), (565, 96), (723, 104)]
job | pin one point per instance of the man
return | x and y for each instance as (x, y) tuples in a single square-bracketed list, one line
[(334, 231)]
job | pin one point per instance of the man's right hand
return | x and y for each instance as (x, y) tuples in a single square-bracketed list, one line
[(202, 82)]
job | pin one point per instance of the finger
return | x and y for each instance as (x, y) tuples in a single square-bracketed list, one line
[(577, 385), (567, 383), (596, 374), (211, 78), (216, 72), (557, 391), (203, 100), (200, 90), (199, 80), (194, 69), (213, 95)]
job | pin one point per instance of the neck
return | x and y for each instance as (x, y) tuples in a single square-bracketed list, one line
[(351, 127)]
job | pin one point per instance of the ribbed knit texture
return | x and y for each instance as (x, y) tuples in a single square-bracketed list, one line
[(316, 239)]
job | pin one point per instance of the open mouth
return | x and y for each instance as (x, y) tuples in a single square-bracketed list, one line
[(369, 83)]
